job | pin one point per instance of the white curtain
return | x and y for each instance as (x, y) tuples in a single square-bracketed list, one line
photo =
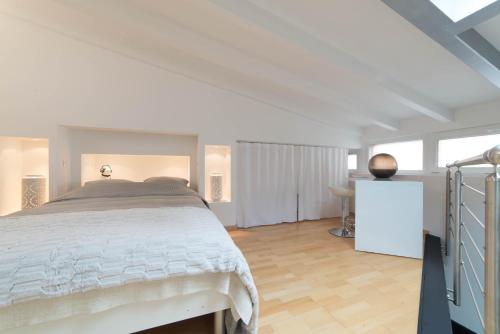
[(267, 184), (320, 168), (271, 176)]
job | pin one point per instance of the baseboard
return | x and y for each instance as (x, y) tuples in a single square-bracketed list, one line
[(231, 228)]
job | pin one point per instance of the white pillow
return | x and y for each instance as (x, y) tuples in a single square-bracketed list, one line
[(109, 181), (167, 180)]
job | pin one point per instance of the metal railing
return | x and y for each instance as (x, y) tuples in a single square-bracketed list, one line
[(466, 247)]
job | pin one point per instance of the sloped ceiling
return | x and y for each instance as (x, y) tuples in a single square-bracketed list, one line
[(348, 64)]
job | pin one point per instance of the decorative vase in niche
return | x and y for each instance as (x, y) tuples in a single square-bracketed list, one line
[(106, 171), (216, 187), (33, 191), (383, 166)]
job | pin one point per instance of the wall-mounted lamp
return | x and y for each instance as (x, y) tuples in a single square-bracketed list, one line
[(106, 170)]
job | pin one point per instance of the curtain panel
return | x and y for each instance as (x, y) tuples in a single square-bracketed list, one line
[(282, 183), (319, 169), (267, 184)]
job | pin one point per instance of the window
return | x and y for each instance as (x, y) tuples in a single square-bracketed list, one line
[(459, 9), (408, 154), (352, 161), (450, 150)]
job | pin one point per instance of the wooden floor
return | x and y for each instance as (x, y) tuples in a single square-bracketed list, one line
[(312, 282)]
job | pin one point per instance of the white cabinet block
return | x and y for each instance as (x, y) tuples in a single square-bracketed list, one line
[(389, 217)]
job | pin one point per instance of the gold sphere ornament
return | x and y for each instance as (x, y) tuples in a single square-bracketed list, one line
[(383, 166)]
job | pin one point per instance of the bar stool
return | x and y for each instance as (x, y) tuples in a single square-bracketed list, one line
[(347, 229)]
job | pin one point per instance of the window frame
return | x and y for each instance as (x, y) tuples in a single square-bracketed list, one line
[(357, 161), (466, 134), (394, 141)]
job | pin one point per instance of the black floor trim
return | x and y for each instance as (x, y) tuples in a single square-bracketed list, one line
[(434, 314), (459, 329)]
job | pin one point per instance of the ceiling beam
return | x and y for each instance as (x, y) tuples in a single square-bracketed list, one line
[(307, 40), (482, 46), (435, 24), (469, 22), (409, 98)]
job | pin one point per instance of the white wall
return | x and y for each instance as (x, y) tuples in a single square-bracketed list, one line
[(49, 80)]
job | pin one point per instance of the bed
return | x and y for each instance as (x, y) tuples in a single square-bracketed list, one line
[(120, 257)]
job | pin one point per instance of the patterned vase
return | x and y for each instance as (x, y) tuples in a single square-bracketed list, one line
[(33, 191), (216, 187)]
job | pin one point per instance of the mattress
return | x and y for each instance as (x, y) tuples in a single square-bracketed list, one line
[(100, 196), (91, 251), (60, 311)]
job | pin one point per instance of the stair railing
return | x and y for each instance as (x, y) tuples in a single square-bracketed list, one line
[(489, 254)]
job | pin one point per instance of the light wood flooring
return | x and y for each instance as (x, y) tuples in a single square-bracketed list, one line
[(312, 282)]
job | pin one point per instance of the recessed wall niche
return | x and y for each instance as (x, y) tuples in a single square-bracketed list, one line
[(218, 173), (24, 173), (134, 167), (131, 154)]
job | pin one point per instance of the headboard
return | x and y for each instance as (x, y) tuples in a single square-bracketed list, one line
[(133, 155)]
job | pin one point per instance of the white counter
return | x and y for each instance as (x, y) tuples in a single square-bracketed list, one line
[(389, 217)]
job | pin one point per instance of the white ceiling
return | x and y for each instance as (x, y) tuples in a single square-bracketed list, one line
[(345, 63)]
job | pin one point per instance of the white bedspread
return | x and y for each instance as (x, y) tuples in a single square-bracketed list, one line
[(55, 255)]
